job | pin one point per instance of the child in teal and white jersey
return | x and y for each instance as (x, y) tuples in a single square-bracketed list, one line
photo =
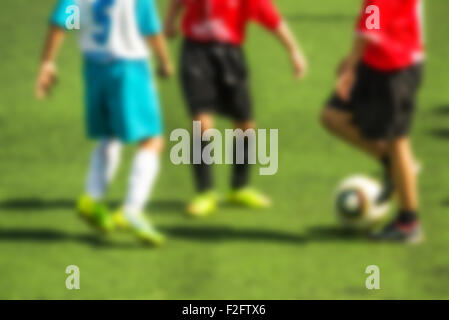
[(121, 100)]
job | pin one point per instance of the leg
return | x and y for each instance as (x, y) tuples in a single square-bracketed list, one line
[(206, 201), (141, 181), (203, 172), (405, 227), (144, 171), (134, 116), (404, 164), (241, 194), (241, 172), (198, 77), (104, 162), (103, 166), (404, 175), (106, 157), (340, 123)]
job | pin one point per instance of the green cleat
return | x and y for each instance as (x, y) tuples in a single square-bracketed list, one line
[(144, 230), (250, 198), (203, 204), (95, 213)]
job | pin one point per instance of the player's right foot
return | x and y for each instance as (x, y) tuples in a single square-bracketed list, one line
[(95, 213), (120, 221), (144, 230), (399, 232), (203, 204)]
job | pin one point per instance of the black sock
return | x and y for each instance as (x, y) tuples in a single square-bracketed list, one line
[(386, 163), (240, 172), (407, 216), (388, 184), (202, 173)]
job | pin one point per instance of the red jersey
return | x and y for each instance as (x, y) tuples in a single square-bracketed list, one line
[(395, 28), (226, 20)]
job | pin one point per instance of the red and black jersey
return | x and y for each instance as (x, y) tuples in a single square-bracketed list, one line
[(225, 21), (397, 40)]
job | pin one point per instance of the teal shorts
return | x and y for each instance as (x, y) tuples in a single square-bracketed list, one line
[(121, 101)]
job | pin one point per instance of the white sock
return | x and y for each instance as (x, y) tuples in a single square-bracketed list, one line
[(104, 162), (143, 175)]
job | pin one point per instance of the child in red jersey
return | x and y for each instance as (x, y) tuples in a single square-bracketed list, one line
[(214, 77), (374, 102)]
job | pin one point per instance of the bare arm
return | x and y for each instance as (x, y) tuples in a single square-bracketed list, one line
[(159, 46), (285, 35), (173, 12), (347, 69), (47, 71), (355, 55)]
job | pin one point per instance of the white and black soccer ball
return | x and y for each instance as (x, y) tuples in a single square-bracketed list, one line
[(355, 203)]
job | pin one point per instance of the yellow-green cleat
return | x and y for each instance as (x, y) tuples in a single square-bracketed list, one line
[(95, 213), (203, 204), (250, 198), (144, 230), (120, 221)]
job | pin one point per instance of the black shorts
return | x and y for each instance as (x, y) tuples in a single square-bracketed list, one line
[(382, 103), (214, 78)]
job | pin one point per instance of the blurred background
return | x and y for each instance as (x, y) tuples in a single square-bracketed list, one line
[(291, 251)]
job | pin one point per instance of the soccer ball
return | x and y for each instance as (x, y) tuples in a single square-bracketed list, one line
[(355, 203)]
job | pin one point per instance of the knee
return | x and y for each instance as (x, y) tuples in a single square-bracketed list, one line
[(110, 147), (326, 119), (156, 144), (382, 146), (245, 125), (333, 119), (398, 144), (206, 121)]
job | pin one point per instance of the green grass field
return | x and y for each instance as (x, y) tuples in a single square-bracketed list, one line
[(293, 251)]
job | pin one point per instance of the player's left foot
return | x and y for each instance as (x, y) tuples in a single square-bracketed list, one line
[(95, 213), (250, 198), (400, 232), (144, 230), (387, 189)]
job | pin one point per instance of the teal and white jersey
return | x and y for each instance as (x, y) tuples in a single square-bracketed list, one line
[(110, 29)]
